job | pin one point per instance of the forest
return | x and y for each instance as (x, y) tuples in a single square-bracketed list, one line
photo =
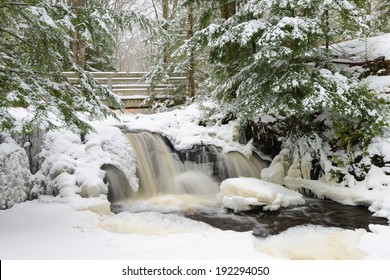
[(299, 88)]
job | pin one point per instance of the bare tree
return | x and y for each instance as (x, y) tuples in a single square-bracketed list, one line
[(133, 51)]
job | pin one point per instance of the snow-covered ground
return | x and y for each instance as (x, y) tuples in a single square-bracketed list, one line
[(77, 222), (360, 50)]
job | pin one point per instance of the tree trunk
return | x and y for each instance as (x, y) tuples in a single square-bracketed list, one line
[(165, 14), (227, 9), (191, 70), (77, 43), (327, 39)]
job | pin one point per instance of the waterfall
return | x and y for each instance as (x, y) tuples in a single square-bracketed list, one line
[(161, 170), (187, 181)]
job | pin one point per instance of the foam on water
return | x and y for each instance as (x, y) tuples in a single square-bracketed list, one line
[(169, 203), (151, 223)]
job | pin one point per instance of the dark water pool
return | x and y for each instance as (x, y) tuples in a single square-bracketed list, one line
[(316, 212)]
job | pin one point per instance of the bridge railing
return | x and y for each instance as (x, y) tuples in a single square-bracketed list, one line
[(132, 89), (131, 83)]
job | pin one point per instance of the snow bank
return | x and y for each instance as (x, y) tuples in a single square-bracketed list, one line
[(14, 172), (377, 242), (292, 169), (315, 243), (241, 194)]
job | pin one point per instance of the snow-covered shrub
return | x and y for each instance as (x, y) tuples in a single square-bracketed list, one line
[(14, 172)]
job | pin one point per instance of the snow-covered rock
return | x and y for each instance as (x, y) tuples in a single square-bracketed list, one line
[(277, 170), (14, 172), (241, 194), (72, 166), (182, 128)]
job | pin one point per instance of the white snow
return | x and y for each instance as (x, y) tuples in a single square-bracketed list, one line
[(380, 83), (48, 230), (241, 194), (376, 244), (363, 49), (152, 223)]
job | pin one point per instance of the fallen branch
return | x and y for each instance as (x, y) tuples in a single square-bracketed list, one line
[(367, 63)]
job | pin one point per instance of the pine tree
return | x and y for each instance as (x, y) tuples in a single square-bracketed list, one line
[(267, 59), (93, 41), (178, 53), (35, 49), (383, 19), (96, 24)]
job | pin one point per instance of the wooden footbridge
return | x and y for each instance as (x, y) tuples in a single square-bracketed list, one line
[(134, 91)]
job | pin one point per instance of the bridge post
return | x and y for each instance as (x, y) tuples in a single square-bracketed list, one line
[(109, 82)]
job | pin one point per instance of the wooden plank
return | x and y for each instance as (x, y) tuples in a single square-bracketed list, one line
[(161, 86), (132, 92), (119, 75)]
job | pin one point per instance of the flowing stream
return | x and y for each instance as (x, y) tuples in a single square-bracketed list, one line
[(187, 182)]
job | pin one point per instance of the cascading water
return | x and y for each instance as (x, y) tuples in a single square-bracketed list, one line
[(188, 178), (161, 171), (187, 182)]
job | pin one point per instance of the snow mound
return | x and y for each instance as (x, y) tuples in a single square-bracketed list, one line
[(380, 83), (315, 243), (14, 172), (241, 194), (151, 223)]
